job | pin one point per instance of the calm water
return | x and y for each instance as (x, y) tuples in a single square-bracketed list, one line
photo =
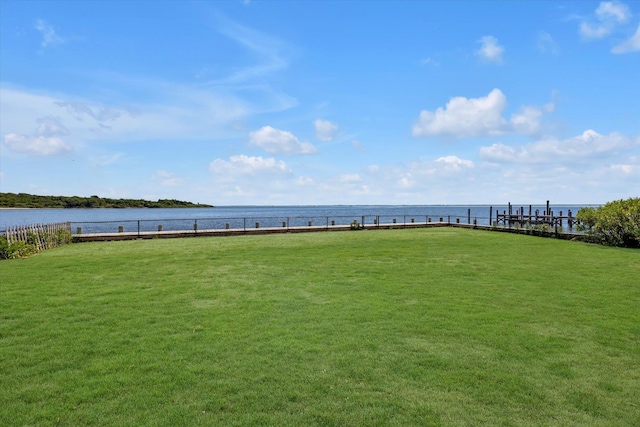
[(108, 220)]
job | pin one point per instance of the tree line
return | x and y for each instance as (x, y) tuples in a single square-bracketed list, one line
[(23, 200)]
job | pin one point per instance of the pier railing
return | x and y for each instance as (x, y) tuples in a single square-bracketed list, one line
[(146, 227)]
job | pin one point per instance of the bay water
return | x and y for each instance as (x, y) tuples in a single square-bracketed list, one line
[(148, 219)]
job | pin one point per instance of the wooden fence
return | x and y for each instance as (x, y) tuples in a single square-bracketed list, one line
[(42, 236)]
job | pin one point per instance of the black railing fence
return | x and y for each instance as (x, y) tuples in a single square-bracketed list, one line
[(246, 223), (298, 222)]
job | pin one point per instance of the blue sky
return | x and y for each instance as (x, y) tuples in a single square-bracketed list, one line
[(322, 102)]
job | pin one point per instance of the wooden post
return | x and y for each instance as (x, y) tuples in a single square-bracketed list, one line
[(120, 229), (490, 214), (469, 216), (570, 220), (159, 227), (548, 212), (257, 225)]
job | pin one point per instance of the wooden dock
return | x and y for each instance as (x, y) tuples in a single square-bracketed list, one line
[(520, 218)]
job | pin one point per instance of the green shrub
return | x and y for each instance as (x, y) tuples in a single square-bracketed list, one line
[(15, 249), (616, 223), (4, 248), (63, 236)]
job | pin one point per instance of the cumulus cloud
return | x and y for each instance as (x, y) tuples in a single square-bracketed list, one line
[(479, 117), (248, 165), (325, 130), (608, 15), (527, 120), (46, 141), (276, 141), (630, 45), (38, 145), (49, 35), (454, 163), (465, 117), (490, 50), (589, 144)]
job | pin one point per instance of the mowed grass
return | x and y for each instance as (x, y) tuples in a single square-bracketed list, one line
[(391, 327)]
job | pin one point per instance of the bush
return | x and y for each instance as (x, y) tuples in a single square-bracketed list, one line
[(15, 249), (616, 223), (4, 248)]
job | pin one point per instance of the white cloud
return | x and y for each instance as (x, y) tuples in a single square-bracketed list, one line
[(479, 117), (49, 35), (276, 141), (51, 126), (168, 179), (490, 50), (325, 130), (349, 178), (248, 165), (181, 112), (589, 145), (38, 145), (630, 45), (546, 43), (305, 181), (268, 50), (613, 10), (430, 61), (527, 120), (465, 117), (609, 15), (626, 169), (454, 163)]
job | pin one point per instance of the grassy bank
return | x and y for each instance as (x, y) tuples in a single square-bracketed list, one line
[(392, 327)]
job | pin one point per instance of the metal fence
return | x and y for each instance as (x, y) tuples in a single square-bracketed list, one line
[(247, 223)]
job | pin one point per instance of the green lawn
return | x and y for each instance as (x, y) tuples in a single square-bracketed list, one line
[(391, 327)]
